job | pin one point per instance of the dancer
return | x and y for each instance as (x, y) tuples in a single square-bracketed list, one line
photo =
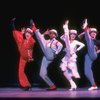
[(50, 49), (69, 61), (25, 43), (92, 51)]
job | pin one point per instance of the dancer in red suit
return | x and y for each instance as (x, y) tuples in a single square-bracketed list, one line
[(25, 43)]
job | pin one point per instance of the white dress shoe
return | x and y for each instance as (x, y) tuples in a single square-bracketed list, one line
[(72, 89), (93, 88)]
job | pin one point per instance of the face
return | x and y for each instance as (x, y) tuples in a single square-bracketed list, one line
[(93, 35), (52, 35), (27, 35), (72, 36)]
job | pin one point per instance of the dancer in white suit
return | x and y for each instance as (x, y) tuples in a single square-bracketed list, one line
[(50, 49), (69, 61)]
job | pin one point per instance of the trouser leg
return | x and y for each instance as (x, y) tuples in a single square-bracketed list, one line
[(21, 73), (43, 71), (47, 52), (88, 69), (90, 47)]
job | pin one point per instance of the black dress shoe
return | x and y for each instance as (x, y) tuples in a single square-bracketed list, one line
[(27, 88)]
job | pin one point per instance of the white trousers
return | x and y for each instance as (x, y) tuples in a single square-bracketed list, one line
[(47, 59)]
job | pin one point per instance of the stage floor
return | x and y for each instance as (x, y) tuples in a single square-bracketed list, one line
[(42, 93)]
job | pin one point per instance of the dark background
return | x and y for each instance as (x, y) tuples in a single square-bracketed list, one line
[(46, 14)]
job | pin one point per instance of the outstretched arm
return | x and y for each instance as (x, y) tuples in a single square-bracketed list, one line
[(46, 32), (81, 35)]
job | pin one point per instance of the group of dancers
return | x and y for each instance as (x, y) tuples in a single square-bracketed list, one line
[(52, 47)]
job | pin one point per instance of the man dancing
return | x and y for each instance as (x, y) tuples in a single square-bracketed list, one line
[(50, 49)]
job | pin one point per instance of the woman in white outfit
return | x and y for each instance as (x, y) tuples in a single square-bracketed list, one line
[(69, 61)]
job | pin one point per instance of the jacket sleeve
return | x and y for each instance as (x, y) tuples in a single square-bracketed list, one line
[(17, 36), (59, 47)]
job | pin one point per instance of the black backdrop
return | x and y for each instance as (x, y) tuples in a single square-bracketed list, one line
[(46, 14)]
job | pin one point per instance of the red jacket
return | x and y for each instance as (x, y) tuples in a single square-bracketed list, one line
[(24, 46)]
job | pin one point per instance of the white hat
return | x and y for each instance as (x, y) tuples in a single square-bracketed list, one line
[(29, 30), (73, 31), (53, 30), (93, 30)]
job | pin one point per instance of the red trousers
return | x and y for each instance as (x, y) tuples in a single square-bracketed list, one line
[(23, 47), (21, 73)]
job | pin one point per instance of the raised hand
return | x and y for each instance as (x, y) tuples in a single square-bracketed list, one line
[(46, 32), (81, 35)]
